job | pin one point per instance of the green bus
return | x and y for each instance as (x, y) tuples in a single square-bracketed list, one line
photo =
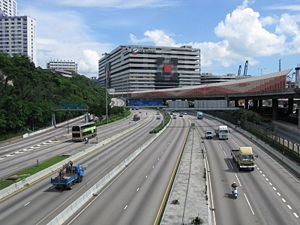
[(82, 131)]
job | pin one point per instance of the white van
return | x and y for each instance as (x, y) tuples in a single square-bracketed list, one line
[(222, 132)]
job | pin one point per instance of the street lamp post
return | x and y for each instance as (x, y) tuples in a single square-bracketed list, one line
[(106, 75)]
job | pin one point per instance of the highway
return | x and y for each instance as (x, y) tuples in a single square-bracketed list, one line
[(26, 152), (135, 196), (268, 195), (39, 203)]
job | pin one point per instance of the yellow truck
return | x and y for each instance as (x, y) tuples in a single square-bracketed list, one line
[(244, 158)]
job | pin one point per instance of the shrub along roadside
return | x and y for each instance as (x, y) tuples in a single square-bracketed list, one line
[(114, 118), (22, 174), (164, 122)]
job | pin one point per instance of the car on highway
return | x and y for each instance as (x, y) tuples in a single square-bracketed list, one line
[(180, 115), (209, 134)]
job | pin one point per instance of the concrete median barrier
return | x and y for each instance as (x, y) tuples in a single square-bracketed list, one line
[(95, 189), (19, 186)]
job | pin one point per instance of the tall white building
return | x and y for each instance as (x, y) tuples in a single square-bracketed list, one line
[(139, 67), (18, 35), (9, 7)]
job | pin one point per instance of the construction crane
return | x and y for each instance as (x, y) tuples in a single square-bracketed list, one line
[(240, 70), (246, 68)]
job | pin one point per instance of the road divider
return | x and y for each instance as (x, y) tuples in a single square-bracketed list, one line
[(63, 216), (27, 182)]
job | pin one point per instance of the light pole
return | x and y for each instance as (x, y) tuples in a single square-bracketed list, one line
[(106, 75)]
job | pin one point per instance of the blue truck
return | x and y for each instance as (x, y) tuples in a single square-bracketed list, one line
[(68, 176)]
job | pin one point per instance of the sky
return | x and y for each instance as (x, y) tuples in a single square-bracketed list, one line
[(228, 32)]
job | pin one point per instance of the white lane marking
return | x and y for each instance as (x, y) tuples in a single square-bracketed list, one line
[(153, 166), (289, 207), (238, 179), (249, 204), (27, 204), (278, 194), (267, 179), (260, 171), (295, 214), (257, 168), (274, 188), (270, 183), (137, 189), (158, 159), (32, 147), (125, 207), (264, 175), (230, 164), (283, 200), (146, 177), (224, 153)]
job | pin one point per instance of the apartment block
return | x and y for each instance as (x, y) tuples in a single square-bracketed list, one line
[(18, 35), (62, 65), (8, 7)]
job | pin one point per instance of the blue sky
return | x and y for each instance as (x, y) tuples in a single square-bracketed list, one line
[(228, 32)]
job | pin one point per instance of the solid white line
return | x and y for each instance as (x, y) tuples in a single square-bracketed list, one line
[(224, 153), (289, 206), (238, 179), (27, 204), (249, 204), (125, 207), (295, 214), (283, 200)]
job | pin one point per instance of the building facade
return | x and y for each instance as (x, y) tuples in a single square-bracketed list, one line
[(209, 78), (18, 36), (62, 65), (8, 7), (138, 67)]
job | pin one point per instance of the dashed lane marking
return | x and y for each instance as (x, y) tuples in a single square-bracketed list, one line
[(125, 207), (283, 200), (289, 207), (295, 214)]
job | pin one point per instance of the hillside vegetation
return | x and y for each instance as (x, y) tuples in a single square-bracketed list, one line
[(28, 94)]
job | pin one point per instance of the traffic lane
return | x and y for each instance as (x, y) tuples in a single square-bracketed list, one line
[(48, 199), (227, 210), (45, 151), (281, 179), (122, 199), (277, 179), (266, 204)]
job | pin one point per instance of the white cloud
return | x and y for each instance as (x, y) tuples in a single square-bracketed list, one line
[(118, 3), (246, 35), (62, 35), (243, 37), (285, 7), (158, 37)]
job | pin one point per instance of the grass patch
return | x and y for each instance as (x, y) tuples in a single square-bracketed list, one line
[(22, 174), (114, 118), (165, 121)]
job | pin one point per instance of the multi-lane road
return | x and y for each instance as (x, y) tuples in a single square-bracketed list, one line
[(268, 195)]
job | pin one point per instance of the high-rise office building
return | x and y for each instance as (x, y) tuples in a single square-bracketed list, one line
[(18, 35), (8, 7), (138, 67)]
